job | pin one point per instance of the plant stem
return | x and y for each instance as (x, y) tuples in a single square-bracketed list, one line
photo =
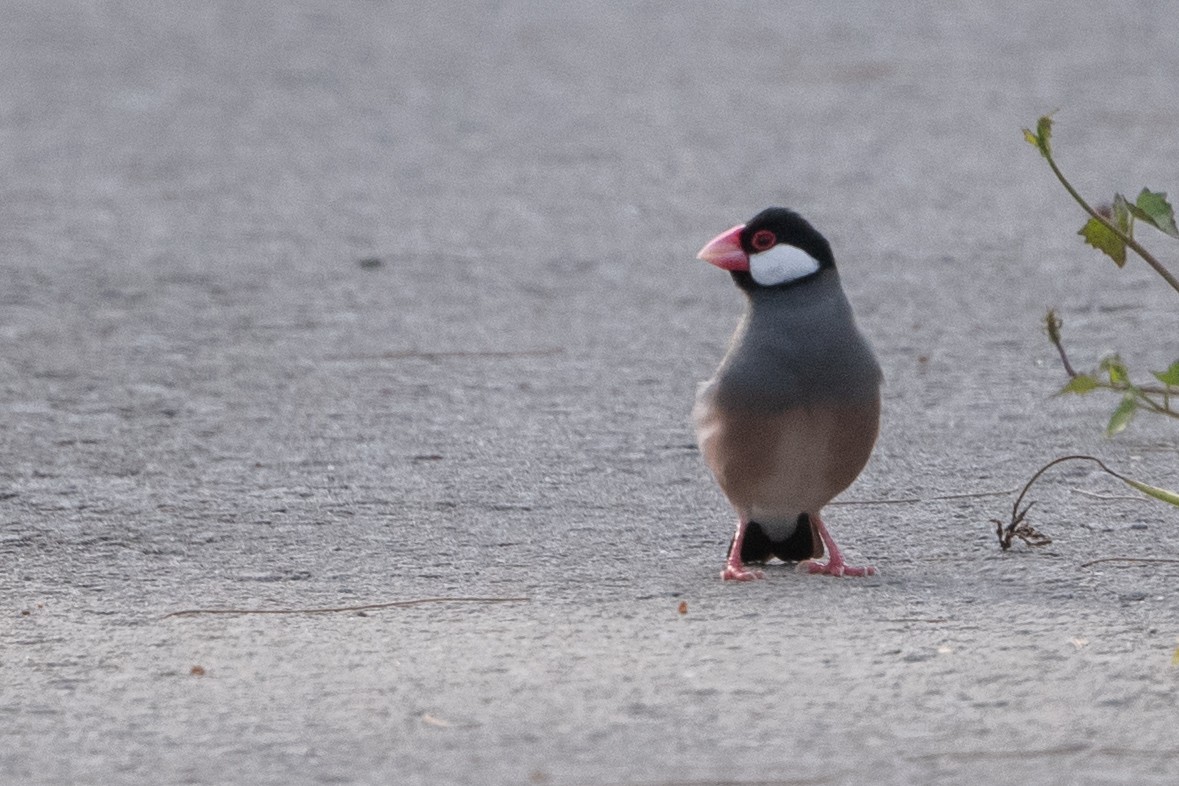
[(1154, 406), (1041, 471), (1142, 392), (1018, 527), (1129, 241), (1054, 325)]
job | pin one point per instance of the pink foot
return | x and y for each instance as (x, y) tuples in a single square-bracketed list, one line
[(739, 573), (834, 566), (734, 568)]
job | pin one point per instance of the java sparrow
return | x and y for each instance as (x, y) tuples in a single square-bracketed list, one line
[(790, 417)]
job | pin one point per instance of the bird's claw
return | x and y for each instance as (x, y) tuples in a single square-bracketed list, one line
[(835, 568), (735, 573)]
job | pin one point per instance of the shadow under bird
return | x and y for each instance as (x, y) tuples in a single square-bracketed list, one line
[(791, 416)]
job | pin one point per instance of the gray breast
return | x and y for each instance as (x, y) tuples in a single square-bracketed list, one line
[(796, 347)]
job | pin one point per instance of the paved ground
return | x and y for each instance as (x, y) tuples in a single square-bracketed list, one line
[(315, 304)]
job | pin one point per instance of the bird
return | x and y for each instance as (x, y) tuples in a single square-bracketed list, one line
[(791, 416)]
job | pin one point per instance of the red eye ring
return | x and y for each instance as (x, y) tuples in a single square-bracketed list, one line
[(762, 239)]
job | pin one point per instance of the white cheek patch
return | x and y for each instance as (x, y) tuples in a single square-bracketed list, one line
[(780, 264)]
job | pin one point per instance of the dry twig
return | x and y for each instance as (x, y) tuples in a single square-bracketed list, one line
[(1132, 560), (395, 604)]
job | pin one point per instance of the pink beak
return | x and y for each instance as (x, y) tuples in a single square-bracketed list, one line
[(725, 250)]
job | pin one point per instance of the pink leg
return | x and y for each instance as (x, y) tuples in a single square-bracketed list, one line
[(835, 566), (734, 568)]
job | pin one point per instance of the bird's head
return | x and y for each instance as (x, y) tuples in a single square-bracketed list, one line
[(776, 248)]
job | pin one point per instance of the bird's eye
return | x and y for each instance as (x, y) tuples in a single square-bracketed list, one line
[(762, 240)]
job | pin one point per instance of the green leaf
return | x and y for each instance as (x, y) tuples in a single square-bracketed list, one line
[(1169, 497), (1041, 138), (1139, 213), (1170, 377), (1080, 384), (1121, 216), (1118, 373), (1122, 416), (1104, 240), (1156, 210)]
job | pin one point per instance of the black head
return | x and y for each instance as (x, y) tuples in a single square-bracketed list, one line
[(776, 248)]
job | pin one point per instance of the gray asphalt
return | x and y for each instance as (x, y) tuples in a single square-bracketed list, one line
[(312, 304)]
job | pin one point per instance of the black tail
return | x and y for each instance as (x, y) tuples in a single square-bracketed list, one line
[(798, 545)]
